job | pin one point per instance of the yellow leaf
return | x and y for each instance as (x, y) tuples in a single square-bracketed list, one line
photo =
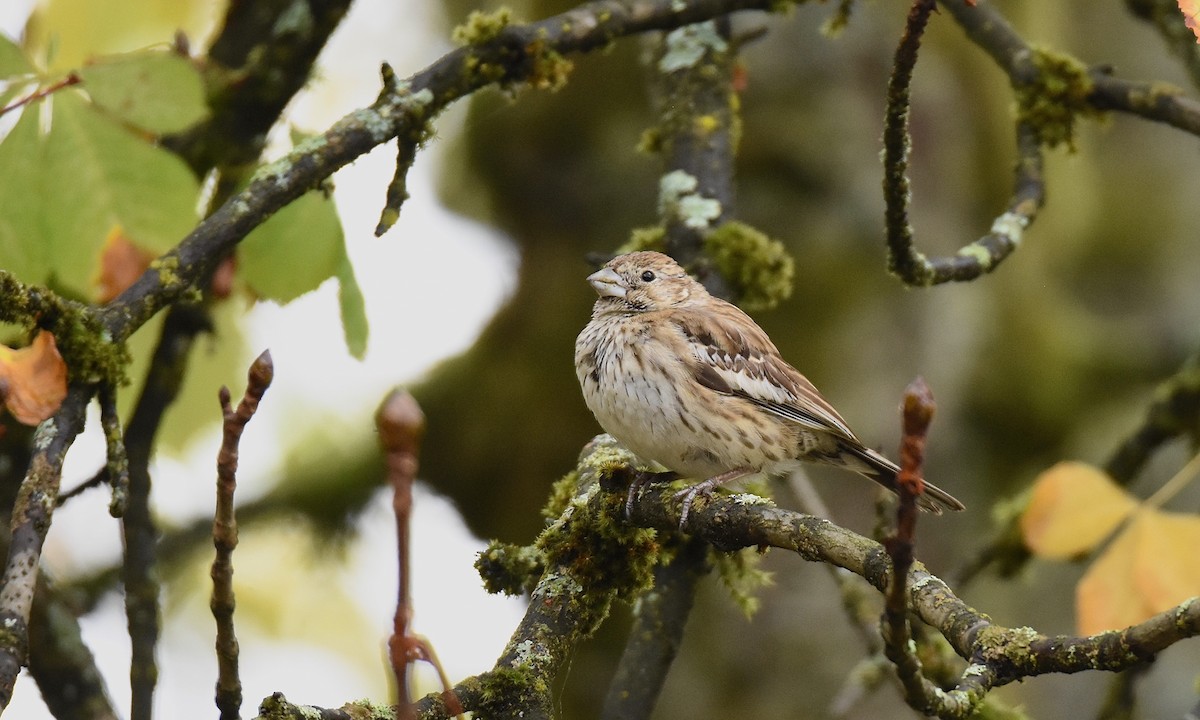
[(33, 380), (1074, 506), (1151, 567), (1191, 15)]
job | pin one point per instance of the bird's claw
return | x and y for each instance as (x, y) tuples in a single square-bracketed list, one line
[(640, 480), (688, 496)]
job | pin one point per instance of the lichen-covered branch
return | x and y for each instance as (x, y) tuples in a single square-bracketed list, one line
[(261, 57), (984, 254), (139, 529), (1087, 90), (117, 466), (996, 655), (593, 556), (691, 78), (30, 519)]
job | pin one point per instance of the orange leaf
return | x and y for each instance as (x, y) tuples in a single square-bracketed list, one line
[(33, 380), (1191, 15), (1074, 506), (121, 263), (1151, 567)]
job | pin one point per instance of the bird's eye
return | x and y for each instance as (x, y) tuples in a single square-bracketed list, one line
[(647, 276)]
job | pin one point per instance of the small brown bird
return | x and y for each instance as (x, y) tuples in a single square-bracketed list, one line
[(690, 382)]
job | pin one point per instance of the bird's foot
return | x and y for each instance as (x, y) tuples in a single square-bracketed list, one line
[(688, 496), (705, 489), (641, 479)]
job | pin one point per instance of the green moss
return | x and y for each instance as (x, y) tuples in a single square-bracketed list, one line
[(740, 573), (1055, 98), (509, 569), (367, 710), (560, 495), (482, 26), (758, 267), (591, 540), (550, 69), (506, 688)]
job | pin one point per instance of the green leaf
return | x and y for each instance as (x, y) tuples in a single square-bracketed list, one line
[(62, 193), (23, 249), (12, 59), (158, 91), (354, 311), (296, 250), (16, 74), (293, 252)]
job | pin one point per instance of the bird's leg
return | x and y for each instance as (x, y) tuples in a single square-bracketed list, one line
[(706, 489), (641, 479)]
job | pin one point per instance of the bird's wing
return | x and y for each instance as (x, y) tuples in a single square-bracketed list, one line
[(732, 355)]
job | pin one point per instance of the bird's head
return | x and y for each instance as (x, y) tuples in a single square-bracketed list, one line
[(642, 282)]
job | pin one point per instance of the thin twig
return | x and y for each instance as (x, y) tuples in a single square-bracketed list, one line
[(897, 636), (68, 81), (225, 534), (117, 467), (401, 425), (984, 254)]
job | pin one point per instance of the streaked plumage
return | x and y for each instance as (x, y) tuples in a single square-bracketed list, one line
[(692, 383)]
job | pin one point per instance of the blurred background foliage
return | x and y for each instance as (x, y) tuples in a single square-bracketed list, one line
[(1055, 355)]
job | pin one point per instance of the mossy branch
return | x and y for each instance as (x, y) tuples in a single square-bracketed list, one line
[(590, 541), (986, 253)]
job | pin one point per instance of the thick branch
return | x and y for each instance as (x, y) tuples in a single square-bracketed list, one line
[(563, 610), (1010, 653), (259, 60), (30, 520), (658, 624), (60, 662), (692, 76)]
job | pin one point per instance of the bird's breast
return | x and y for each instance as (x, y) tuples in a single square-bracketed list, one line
[(643, 393)]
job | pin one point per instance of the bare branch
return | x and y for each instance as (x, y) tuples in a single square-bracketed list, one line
[(225, 533)]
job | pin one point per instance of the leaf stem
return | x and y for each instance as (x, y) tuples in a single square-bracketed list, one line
[(1172, 487)]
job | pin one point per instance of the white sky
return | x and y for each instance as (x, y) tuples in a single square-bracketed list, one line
[(402, 270)]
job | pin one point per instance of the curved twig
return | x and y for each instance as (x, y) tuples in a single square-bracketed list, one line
[(986, 253)]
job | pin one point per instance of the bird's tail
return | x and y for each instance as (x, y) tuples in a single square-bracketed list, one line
[(883, 471)]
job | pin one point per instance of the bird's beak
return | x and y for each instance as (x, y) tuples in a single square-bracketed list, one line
[(607, 283)]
